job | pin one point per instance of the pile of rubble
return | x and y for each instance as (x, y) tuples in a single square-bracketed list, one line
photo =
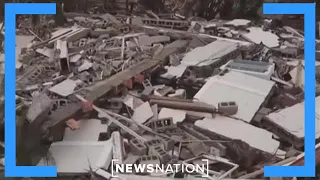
[(161, 89)]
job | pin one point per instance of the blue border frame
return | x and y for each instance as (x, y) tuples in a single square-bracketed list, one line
[(11, 10), (308, 10)]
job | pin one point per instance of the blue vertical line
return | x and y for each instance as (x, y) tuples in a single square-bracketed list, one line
[(308, 10), (10, 86), (310, 85), (11, 170)]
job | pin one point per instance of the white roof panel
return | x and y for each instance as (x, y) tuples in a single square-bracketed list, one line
[(65, 88), (257, 35), (292, 119), (206, 55), (238, 22), (89, 131), (235, 129), (247, 91), (76, 157)]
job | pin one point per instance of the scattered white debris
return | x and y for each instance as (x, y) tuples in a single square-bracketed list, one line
[(257, 35), (292, 119), (247, 91), (89, 130), (66, 87), (239, 22), (72, 157), (142, 113), (209, 54), (177, 115), (85, 66), (235, 129), (224, 63)]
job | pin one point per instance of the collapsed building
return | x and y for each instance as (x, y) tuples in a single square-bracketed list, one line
[(160, 89)]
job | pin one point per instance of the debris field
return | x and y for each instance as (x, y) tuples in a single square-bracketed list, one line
[(160, 89)]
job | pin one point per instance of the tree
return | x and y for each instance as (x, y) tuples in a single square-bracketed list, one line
[(59, 17)]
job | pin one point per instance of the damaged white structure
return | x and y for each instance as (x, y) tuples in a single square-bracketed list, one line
[(257, 35), (235, 129), (62, 47), (288, 123), (214, 54), (249, 92), (297, 73), (262, 70), (238, 22), (77, 157), (90, 130), (81, 149), (66, 87)]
